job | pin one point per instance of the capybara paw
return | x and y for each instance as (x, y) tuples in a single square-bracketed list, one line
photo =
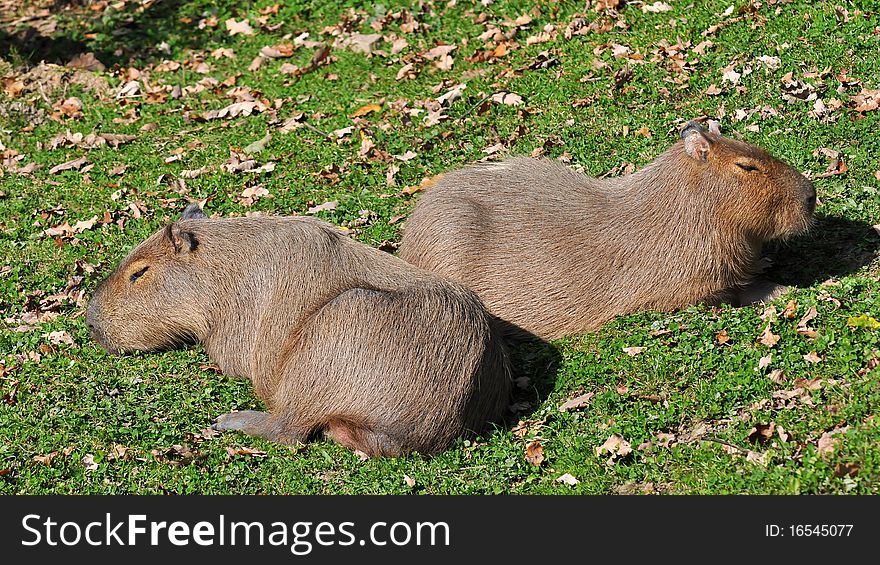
[(244, 421)]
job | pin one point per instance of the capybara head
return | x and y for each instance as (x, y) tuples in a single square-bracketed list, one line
[(755, 193), (152, 299)]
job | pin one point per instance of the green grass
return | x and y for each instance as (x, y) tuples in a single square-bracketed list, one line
[(76, 401)]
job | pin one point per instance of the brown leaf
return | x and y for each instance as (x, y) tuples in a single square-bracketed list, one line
[(364, 110), (765, 361), (846, 469), (409, 481), (439, 52), (88, 462), (802, 324), (119, 452), (249, 451), (873, 363), (656, 7), (762, 433), (46, 459), (665, 439), (722, 337), (713, 90), (234, 110), (362, 43), (508, 98), (812, 357), (535, 453), (826, 443), (427, 182), (866, 100), (836, 167), (633, 351), (567, 479), (614, 446), (576, 402), (325, 207), (790, 309), (278, 51), (243, 27), (86, 61), (60, 337), (777, 376), (68, 165), (768, 338)]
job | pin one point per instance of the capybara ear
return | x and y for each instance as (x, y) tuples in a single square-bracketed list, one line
[(696, 144), (183, 241), (193, 212), (714, 127)]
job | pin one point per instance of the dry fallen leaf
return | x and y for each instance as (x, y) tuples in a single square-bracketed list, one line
[(409, 481), (614, 446), (243, 27), (46, 459), (325, 207), (633, 351), (768, 338), (364, 110), (765, 361), (427, 182), (567, 479), (656, 7), (762, 433), (812, 357), (60, 337), (535, 453), (576, 402), (88, 462), (790, 309), (439, 51), (802, 324), (722, 337), (251, 194), (826, 443), (245, 451), (73, 164), (509, 98), (665, 439)]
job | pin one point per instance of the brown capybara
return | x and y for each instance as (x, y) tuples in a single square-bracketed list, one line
[(553, 252), (337, 337)]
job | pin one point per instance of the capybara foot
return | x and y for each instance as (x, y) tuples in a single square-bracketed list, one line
[(761, 290), (252, 423)]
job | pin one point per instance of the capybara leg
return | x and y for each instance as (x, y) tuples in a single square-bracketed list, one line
[(761, 290), (259, 424), (359, 438)]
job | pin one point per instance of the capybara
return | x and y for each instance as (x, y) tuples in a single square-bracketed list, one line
[(337, 337), (553, 252)]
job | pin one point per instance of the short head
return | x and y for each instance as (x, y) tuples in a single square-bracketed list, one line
[(153, 299), (755, 193)]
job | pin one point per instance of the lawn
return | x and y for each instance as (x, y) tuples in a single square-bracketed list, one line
[(115, 114)]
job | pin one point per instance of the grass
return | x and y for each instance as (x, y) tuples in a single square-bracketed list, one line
[(694, 406)]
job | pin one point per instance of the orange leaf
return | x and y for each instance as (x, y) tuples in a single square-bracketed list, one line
[(364, 110)]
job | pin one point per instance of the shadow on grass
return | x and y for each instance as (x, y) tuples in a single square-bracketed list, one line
[(834, 247), (534, 364), (130, 34)]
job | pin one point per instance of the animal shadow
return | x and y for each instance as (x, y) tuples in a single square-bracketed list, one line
[(834, 247)]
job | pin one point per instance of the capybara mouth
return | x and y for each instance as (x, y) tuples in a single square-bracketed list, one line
[(99, 336)]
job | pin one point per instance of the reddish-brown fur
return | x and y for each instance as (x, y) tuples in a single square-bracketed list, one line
[(336, 337), (554, 252)]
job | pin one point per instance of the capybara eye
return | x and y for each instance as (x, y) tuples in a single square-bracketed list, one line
[(137, 274), (748, 167)]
